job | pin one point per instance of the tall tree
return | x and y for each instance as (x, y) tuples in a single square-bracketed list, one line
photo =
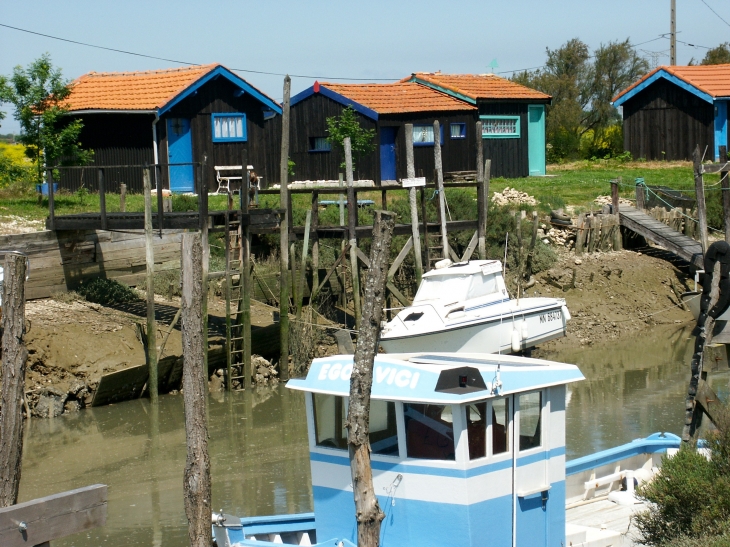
[(719, 55), (38, 94)]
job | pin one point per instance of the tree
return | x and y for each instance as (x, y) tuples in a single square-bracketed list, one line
[(38, 94), (719, 55), (347, 125)]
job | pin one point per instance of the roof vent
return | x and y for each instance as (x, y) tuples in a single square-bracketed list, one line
[(460, 380)]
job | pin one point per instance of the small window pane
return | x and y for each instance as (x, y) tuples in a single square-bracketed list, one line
[(500, 426), (239, 126), (458, 130), (507, 126), (217, 128), (383, 428), (329, 421), (319, 144), (530, 407), (229, 127), (476, 426), (429, 431), (423, 134)]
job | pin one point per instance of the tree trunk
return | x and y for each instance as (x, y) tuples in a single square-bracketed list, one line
[(368, 512), (13, 377), (196, 481)]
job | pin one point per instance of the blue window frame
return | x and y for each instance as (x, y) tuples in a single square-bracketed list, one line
[(319, 144), (458, 130), (500, 127), (423, 134), (229, 127)]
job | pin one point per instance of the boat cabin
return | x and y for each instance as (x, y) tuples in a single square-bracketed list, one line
[(477, 279), (467, 449)]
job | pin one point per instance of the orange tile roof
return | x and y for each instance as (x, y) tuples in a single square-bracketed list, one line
[(398, 98), (711, 79), (132, 90), (478, 86)]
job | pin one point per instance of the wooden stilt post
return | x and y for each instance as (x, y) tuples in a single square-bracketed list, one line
[(102, 199), (245, 235), (481, 196), (614, 195), (150, 260), (533, 242), (51, 203), (343, 267), (284, 237), (725, 184), (122, 198), (303, 272), (14, 357), (440, 186), (196, 480), (424, 219), (315, 244), (367, 511), (352, 224), (411, 173), (203, 208), (700, 192)]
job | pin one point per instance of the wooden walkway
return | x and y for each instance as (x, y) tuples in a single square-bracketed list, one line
[(661, 234)]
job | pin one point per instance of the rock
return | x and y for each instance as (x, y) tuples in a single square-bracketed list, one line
[(578, 262), (76, 387), (50, 404), (215, 384), (512, 196), (72, 406)]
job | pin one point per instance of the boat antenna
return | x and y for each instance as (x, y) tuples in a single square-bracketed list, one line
[(504, 264)]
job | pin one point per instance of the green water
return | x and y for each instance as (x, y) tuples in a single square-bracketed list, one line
[(258, 445)]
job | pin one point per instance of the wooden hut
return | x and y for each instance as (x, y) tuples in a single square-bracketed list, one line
[(675, 108), (513, 118), (174, 116)]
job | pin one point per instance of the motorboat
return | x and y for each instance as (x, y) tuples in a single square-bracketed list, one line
[(466, 449), (465, 307)]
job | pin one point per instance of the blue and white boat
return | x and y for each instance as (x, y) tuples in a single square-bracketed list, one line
[(467, 450), (465, 307)]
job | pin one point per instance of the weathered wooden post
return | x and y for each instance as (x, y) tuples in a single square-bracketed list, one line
[(351, 228), (533, 242), (440, 186), (14, 358), (640, 194), (245, 239), (614, 195), (196, 481), (411, 173), (123, 198), (725, 184), (102, 199), (484, 209), (343, 244), (51, 203), (481, 197), (303, 272), (150, 261), (315, 243), (700, 193), (284, 237), (368, 512)]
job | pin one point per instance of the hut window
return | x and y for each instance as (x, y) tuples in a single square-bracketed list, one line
[(530, 426), (383, 428), (429, 431), (458, 130), (423, 135), (229, 127), (476, 427), (500, 127), (500, 426), (319, 144), (329, 421)]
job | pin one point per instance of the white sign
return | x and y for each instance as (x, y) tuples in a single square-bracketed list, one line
[(412, 183)]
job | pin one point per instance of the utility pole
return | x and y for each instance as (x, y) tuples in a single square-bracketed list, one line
[(673, 35)]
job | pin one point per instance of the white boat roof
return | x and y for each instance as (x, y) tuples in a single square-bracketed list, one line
[(467, 268), (417, 377)]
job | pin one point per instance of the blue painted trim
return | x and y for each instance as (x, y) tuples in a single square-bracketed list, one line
[(365, 111), (299, 97), (462, 132), (445, 90), (231, 77), (720, 127), (515, 135), (243, 138), (658, 442), (669, 77), (275, 524)]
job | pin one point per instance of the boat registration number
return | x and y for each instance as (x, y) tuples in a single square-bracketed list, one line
[(551, 316)]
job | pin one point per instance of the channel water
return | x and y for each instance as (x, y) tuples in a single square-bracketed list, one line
[(258, 443)]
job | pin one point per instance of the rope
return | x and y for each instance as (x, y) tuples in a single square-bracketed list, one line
[(321, 326)]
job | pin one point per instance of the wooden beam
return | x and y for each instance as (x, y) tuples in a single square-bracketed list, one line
[(352, 225), (53, 517), (440, 186), (411, 173), (362, 257), (400, 258), (700, 193), (399, 295), (284, 235), (471, 247), (150, 282), (102, 198)]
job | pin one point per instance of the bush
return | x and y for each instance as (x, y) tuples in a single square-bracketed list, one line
[(107, 292)]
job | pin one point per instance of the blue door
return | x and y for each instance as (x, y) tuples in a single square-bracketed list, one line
[(536, 139), (387, 153), (180, 150)]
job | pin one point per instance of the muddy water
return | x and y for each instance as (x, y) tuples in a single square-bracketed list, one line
[(258, 447)]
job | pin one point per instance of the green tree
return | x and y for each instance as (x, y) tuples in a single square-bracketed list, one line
[(719, 55), (38, 94), (362, 140)]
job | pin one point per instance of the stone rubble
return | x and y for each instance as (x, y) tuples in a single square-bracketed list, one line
[(512, 196)]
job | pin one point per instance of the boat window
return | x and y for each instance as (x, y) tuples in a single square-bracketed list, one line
[(476, 427), (329, 421), (437, 287), (530, 407), (482, 285), (500, 426), (429, 434), (383, 428)]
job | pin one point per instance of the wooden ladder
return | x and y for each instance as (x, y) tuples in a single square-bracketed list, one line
[(235, 372)]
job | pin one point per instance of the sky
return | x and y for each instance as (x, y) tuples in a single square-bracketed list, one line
[(350, 41)]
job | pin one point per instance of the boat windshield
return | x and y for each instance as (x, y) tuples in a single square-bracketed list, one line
[(451, 287)]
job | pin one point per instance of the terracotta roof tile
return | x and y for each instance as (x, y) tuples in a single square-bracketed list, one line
[(712, 79), (398, 98), (478, 86), (132, 90)]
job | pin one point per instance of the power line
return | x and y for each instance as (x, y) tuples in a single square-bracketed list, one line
[(713, 11)]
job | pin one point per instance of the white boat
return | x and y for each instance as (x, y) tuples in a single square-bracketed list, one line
[(465, 307), (467, 450)]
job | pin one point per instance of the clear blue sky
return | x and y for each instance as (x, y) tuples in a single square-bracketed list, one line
[(376, 39)]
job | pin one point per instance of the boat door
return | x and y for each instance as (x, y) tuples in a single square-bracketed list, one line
[(536, 139), (531, 482), (180, 150), (387, 153)]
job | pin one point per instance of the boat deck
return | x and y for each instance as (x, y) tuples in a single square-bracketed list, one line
[(601, 523)]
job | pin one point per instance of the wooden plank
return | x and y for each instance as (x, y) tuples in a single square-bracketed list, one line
[(400, 258), (399, 295), (54, 517)]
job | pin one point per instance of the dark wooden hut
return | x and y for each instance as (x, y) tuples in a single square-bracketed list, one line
[(184, 115), (671, 110)]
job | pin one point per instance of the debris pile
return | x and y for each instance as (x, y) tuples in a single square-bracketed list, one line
[(512, 196), (266, 373), (562, 237), (606, 200)]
